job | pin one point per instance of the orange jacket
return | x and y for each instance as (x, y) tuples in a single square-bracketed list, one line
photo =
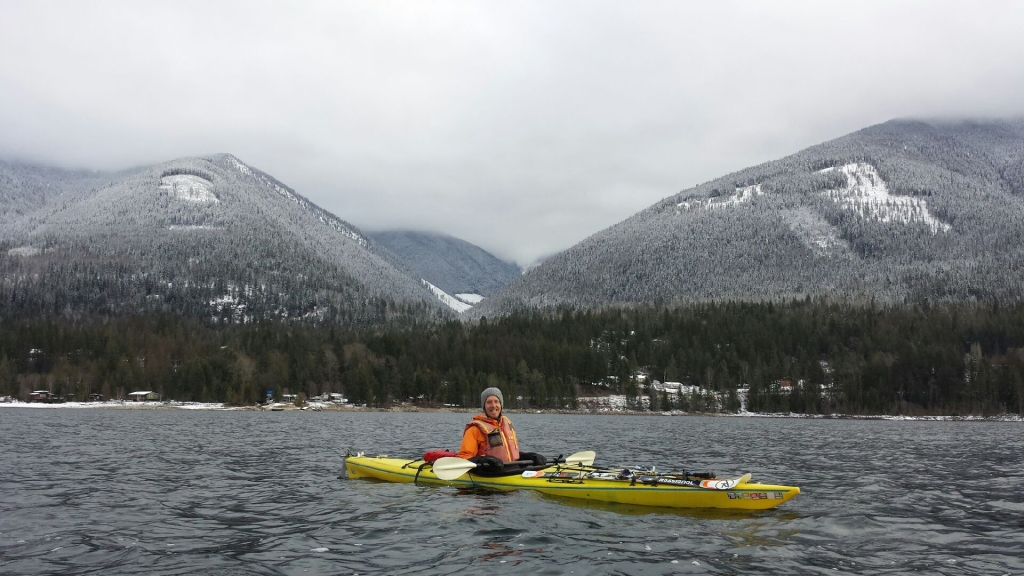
[(474, 440)]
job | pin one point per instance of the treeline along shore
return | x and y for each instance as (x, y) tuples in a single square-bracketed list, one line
[(805, 356)]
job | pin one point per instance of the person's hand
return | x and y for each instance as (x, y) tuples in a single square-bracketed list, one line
[(487, 461), (538, 459)]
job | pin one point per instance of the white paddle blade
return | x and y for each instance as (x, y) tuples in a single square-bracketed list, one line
[(726, 483), (451, 468), (585, 458)]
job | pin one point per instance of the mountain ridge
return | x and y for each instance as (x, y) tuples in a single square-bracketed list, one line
[(904, 211), (761, 232), (198, 236)]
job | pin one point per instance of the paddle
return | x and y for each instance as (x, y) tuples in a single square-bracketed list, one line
[(451, 468), (726, 483), (585, 458)]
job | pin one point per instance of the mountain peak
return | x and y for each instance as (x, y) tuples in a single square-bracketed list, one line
[(207, 237)]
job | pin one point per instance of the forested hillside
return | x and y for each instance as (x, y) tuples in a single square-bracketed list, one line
[(905, 211), (451, 264), (802, 356), (202, 237)]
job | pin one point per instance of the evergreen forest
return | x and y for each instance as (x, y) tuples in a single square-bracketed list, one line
[(803, 356)]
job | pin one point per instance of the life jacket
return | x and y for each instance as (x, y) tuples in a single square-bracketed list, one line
[(501, 440)]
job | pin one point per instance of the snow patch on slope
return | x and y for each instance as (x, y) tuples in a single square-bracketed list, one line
[(189, 188), (470, 298), (868, 196), (226, 300), (24, 251), (742, 196), (446, 298), (821, 237)]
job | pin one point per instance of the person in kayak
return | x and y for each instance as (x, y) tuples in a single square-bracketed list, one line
[(490, 439)]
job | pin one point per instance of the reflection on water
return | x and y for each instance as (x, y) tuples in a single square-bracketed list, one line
[(95, 491)]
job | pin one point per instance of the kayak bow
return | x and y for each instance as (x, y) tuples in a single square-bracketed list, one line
[(589, 483)]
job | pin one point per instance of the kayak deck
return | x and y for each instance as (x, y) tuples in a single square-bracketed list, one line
[(572, 481)]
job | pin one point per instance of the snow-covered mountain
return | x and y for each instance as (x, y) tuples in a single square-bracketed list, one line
[(901, 211), (460, 269), (197, 236)]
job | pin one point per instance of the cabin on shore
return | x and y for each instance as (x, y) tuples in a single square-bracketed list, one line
[(144, 396), (94, 397), (41, 396)]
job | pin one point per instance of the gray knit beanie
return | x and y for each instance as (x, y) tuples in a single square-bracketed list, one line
[(487, 394)]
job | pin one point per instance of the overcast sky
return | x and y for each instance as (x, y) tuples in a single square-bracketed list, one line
[(522, 127)]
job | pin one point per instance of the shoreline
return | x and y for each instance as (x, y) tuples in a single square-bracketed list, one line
[(326, 407)]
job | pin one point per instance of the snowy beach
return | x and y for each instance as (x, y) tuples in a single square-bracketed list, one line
[(614, 408)]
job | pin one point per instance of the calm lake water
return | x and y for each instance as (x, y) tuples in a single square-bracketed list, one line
[(182, 492)]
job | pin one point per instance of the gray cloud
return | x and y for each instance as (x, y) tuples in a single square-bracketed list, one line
[(522, 127)]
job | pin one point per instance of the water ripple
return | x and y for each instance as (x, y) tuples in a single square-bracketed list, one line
[(166, 492)]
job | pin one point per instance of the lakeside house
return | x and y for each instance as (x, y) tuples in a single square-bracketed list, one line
[(41, 396), (144, 396), (676, 388), (330, 397)]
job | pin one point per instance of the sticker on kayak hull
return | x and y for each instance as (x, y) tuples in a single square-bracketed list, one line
[(543, 474), (655, 480), (756, 496), (605, 476)]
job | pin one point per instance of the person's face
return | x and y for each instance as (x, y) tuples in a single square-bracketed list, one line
[(492, 407)]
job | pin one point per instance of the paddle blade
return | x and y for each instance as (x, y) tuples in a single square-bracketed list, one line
[(451, 468), (725, 483), (585, 458)]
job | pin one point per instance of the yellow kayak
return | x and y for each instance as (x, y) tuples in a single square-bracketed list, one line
[(587, 483)]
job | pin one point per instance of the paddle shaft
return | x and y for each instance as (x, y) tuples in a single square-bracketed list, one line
[(450, 468)]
